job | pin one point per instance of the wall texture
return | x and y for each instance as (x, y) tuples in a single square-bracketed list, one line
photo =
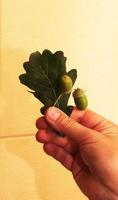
[(87, 32)]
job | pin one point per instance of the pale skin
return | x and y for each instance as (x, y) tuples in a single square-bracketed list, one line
[(89, 149)]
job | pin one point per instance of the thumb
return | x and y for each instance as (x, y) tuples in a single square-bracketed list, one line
[(64, 124)]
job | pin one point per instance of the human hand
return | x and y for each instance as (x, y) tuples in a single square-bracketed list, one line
[(89, 149)]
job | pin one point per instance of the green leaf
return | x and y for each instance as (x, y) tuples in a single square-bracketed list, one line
[(43, 72), (34, 59), (73, 74), (54, 66)]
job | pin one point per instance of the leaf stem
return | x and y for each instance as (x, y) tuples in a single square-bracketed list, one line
[(57, 99)]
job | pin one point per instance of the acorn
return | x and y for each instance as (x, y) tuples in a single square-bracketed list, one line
[(66, 84), (80, 99)]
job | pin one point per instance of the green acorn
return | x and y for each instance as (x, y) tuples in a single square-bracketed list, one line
[(80, 99), (66, 84)]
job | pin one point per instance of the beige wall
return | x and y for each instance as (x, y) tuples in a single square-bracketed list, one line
[(87, 32)]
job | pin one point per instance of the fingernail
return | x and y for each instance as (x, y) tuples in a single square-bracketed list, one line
[(53, 113)]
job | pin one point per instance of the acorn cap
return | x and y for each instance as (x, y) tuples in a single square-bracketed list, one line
[(78, 92)]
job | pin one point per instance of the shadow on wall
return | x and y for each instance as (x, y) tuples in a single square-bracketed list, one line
[(30, 164), (46, 176)]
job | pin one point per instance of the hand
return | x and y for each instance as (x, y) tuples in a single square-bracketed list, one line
[(89, 149)]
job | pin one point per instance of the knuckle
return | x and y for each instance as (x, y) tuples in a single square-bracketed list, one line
[(67, 123)]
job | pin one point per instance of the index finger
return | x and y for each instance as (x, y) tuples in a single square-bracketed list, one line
[(89, 119)]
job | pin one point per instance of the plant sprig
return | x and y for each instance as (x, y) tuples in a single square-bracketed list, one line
[(43, 74)]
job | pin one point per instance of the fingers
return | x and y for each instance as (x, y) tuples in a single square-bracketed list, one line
[(91, 119), (49, 136), (86, 118), (78, 165), (62, 123), (41, 123), (59, 154)]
